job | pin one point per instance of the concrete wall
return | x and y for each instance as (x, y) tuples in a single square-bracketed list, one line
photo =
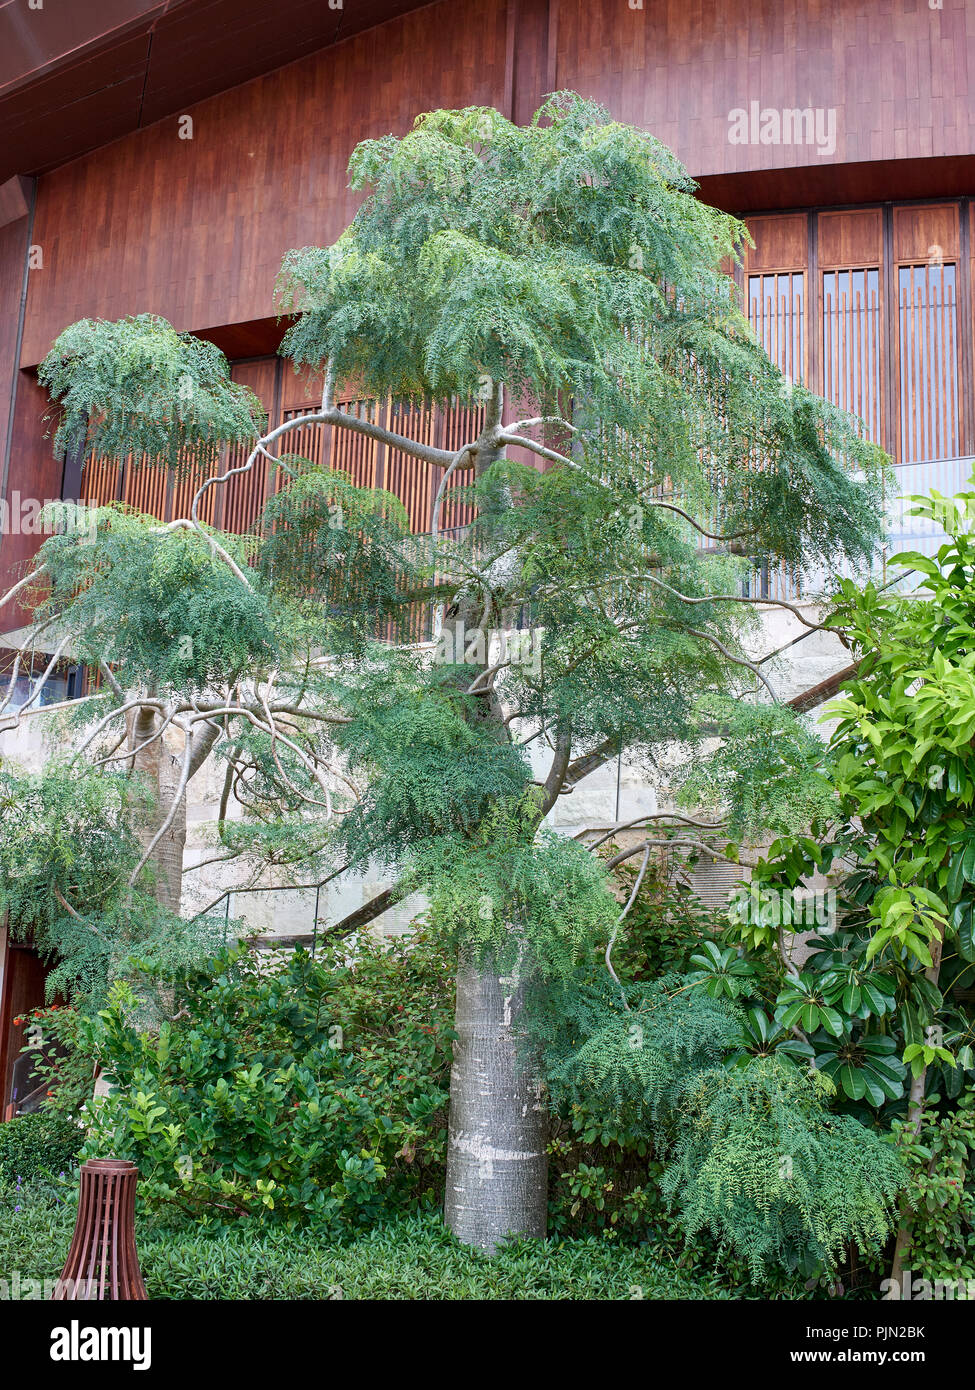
[(613, 795)]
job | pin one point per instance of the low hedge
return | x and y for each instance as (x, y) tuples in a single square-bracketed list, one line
[(34, 1145), (410, 1258)]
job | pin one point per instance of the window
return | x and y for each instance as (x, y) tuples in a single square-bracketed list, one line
[(928, 362), (775, 311), (852, 345)]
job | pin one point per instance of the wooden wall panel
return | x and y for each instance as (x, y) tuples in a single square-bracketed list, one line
[(237, 504), (898, 75), (926, 247), (781, 243), (196, 229), (13, 248), (850, 239), (878, 320), (778, 312), (849, 311), (926, 233), (777, 292), (34, 472)]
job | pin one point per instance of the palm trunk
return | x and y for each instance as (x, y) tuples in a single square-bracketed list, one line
[(160, 766), (497, 1164), (161, 770)]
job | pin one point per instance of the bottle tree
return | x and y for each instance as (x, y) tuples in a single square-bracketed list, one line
[(638, 455)]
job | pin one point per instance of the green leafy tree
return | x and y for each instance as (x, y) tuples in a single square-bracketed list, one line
[(883, 999), (563, 277)]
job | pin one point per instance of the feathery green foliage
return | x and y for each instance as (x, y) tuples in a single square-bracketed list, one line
[(136, 387), (569, 258), (330, 544), (638, 1056), (156, 603), (767, 774), (529, 905), (428, 771), (68, 844), (762, 1164), (751, 1153)]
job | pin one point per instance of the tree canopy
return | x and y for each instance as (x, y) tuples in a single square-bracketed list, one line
[(599, 605)]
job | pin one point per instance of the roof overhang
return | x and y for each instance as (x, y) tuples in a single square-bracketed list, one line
[(75, 76)]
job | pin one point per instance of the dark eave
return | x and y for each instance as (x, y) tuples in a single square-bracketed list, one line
[(74, 76)]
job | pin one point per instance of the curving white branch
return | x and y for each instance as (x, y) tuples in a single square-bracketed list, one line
[(736, 660), (619, 922), (22, 583)]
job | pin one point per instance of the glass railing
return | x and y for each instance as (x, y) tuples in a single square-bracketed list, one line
[(904, 531), (946, 476)]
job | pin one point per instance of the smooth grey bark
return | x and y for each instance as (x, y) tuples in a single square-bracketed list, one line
[(497, 1164), (161, 768)]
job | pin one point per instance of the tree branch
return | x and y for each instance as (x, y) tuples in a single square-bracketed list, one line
[(675, 843), (22, 583), (174, 805), (555, 780), (736, 660)]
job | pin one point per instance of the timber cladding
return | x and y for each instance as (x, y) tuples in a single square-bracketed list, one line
[(195, 229), (897, 76)]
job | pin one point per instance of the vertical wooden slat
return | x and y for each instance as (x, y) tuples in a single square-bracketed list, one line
[(928, 308)]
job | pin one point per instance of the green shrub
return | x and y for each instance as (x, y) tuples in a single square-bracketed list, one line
[(604, 1176), (294, 1089), (33, 1145), (759, 1161), (747, 1159), (36, 1222), (940, 1193), (62, 1059)]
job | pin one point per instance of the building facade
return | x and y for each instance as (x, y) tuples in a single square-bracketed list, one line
[(162, 156)]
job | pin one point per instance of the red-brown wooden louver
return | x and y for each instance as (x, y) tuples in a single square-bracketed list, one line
[(103, 1262)]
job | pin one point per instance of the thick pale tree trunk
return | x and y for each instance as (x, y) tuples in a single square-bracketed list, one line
[(160, 767), (497, 1164), (160, 764)]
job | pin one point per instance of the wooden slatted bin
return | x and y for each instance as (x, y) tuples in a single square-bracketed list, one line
[(103, 1262)]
